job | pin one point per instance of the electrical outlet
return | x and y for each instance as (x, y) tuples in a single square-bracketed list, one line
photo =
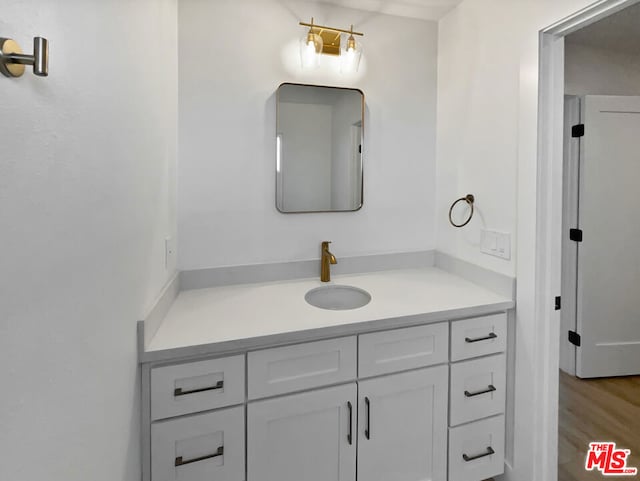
[(169, 252), (496, 244)]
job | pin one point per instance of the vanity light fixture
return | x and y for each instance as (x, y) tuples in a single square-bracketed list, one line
[(321, 40)]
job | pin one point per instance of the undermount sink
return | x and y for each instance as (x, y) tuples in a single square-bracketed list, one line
[(337, 298)]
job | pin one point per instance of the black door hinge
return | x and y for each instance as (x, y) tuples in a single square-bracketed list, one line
[(558, 304), (574, 338), (360, 148), (577, 130), (575, 235)]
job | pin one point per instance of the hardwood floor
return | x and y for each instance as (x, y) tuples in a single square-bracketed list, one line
[(605, 409)]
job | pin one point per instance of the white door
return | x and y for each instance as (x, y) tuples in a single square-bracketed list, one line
[(402, 427), (303, 437), (608, 274)]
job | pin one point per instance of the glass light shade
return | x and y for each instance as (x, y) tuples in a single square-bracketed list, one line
[(350, 55), (310, 50)]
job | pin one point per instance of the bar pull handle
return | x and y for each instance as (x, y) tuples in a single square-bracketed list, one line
[(179, 392), (489, 452), (367, 431), (219, 452), (350, 435), (492, 335), (490, 388)]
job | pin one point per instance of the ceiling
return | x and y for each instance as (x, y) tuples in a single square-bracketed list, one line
[(619, 32), (423, 9)]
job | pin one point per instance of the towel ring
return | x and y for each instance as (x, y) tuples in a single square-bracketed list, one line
[(469, 199)]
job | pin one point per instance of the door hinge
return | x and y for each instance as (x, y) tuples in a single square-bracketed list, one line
[(577, 131), (360, 148), (558, 304), (574, 338), (575, 235)]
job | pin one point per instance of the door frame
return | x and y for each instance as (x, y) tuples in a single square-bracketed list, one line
[(548, 231)]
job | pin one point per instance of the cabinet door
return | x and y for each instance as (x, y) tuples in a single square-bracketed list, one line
[(402, 427), (303, 437)]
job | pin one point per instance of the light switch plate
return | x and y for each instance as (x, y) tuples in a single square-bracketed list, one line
[(496, 244)]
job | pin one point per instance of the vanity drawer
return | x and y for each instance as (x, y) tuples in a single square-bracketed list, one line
[(201, 447), (196, 386), (477, 389), (478, 336), (402, 349), (303, 366), (476, 450)]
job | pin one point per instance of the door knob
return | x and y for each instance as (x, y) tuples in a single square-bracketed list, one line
[(12, 60)]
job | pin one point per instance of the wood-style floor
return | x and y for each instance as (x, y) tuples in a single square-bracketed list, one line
[(605, 409)]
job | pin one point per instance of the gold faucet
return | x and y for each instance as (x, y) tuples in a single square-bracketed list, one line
[(325, 263)]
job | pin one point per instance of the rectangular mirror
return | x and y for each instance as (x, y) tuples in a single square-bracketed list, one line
[(319, 149)]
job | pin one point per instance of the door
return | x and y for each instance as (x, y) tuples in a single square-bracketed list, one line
[(608, 273), (402, 426), (303, 437), (570, 176)]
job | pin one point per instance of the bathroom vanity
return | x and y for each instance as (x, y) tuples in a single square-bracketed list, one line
[(250, 382)]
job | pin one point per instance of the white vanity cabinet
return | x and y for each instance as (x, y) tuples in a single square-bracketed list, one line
[(477, 398), (308, 436), (199, 447), (190, 439), (402, 426), (413, 403)]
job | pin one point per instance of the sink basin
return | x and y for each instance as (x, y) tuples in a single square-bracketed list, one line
[(337, 298)]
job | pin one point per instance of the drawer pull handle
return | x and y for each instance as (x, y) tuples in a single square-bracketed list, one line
[(219, 452), (489, 452), (350, 435), (490, 388), (492, 335), (180, 392), (367, 431)]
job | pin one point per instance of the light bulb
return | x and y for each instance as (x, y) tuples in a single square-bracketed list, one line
[(350, 60), (310, 48), (351, 44)]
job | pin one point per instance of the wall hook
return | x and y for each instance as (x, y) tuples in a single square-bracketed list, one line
[(12, 60)]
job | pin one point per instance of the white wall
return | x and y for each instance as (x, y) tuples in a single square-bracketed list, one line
[(477, 115), (226, 200), (487, 144), (598, 71), (86, 200)]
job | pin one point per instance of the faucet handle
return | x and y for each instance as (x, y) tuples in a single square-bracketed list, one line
[(325, 244)]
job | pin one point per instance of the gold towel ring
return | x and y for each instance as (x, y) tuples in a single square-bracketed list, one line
[(469, 199)]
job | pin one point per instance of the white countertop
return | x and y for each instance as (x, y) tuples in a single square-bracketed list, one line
[(245, 316)]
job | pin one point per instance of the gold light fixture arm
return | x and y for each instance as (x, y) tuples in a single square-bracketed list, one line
[(332, 29)]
